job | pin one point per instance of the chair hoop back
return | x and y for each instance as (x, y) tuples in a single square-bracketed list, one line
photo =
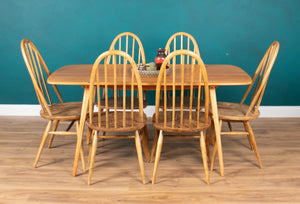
[(260, 78), (180, 41), (127, 42), (107, 74), (190, 77), (39, 73)]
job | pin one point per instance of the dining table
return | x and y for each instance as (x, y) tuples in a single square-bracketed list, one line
[(218, 75)]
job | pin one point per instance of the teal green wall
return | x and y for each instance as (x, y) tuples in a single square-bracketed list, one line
[(228, 32)]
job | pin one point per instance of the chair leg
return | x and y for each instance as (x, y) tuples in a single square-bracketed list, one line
[(249, 137), (45, 136), (82, 159), (93, 154), (213, 158), (81, 151), (70, 125), (252, 141), (140, 154), (154, 145), (229, 126), (90, 151), (204, 158), (215, 150), (88, 136), (207, 144), (158, 152), (52, 135), (211, 132), (145, 142)]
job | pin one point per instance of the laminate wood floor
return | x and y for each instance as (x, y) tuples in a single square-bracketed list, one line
[(180, 178)]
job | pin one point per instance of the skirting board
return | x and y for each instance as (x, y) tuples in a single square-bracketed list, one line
[(265, 111)]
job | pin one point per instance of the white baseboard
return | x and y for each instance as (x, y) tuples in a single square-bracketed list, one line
[(266, 111), (279, 111), (20, 110)]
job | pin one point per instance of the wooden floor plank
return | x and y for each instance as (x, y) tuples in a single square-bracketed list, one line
[(180, 176)]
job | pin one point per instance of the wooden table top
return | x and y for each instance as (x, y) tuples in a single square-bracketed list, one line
[(218, 75)]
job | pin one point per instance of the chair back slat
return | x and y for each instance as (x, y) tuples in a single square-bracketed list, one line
[(34, 60), (260, 78), (184, 76), (269, 66), (126, 38), (124, 91), (126, 44), (191, 93), (130, 44), (115, 89), (120, 47), (107, 73), (186, 42), (39, 73), (188, 48), (140, 95), (181, 89), (173, 92), (133, 45)]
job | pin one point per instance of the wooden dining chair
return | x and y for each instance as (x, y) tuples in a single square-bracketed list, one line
[(123, 76), (241, 112), (181, 119), (54, 112), (182, 41), (131, 44)]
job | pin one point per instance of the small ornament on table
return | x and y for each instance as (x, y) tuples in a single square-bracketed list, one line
[(151, 66), (141, 67), (160, 57)]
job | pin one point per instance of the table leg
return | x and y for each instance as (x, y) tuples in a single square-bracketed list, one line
[(81, 128), (215, 116)]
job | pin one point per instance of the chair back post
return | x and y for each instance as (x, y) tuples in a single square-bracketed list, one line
[(39, 73), (189, 77), (114, 76), (261, 77)]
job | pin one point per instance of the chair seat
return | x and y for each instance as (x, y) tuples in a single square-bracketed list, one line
[(186, 127), (63, 111), (235, 112), (120, 102), (186, 102), (125, 121)]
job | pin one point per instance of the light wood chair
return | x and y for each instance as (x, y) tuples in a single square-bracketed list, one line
[(131, 44), (182, 41), (241, 112), (183, 119), (54, 112), (117, 119)]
